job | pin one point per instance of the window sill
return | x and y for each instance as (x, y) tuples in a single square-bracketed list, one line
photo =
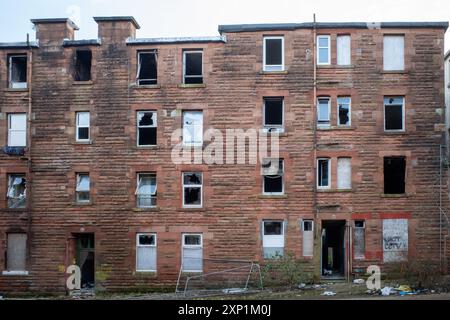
[(16, 89), (145, 86), (394, 71), (82, 83), (395, 195), (281, 72), (83, 142), (15, 273), (336, 128), (200, 209), (335, 66), (15, 209), (149, 147), (191, 85), (390, 133), (82, 204), (145, 273), (273, 196), (334, 190), (149, 209)]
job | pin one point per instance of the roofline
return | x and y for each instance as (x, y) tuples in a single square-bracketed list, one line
[(118, 18), (329, 25), (55, 20), (19, 45), (143, 41)]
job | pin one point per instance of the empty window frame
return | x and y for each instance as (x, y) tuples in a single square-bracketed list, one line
[(16, 253), (394, 175), (343, 46), (147, 73), (360, 239), (394, 114), (83, 62), (394, 52), (323, 50), (323, 173), (273, 239), (273, 114), (146, 252), (83, 187), (344, 173), (308, 237), (192, 66), (192, 189), (17, 71), (344, 111), (17, 129), (273, 54), (273, 176), (17, 191), (146, 128), (83, 124), (192, 128), (192, 252), (323, 112), (146, 190)]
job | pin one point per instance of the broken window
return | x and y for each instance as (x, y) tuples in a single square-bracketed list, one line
[(393, 52), (83, 187), (344, 111), (193, 67), (17, 130), (308, 238), (83, 61), (17, 187), (344, 173), (323, 50), (192, 253), (193, 128), (323, 173), (147, 73), (192, 189), (273, 176), (146, 252), (83, 123), (343, 50), (273, 54), (146, 128), (273, 239), (323, 112), (146, 190), (16, 254), (273, 114), (394, 175), (360, 239), (394, 114), (18, 71)]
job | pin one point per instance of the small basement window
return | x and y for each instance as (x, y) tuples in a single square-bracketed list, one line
[(394, 175), (192, 189), (193, 67), (83, 187), (273, 54), (273, 239), (146, 190), (147, 73), (146, 128), (273, 114), (83, 61), (17, 71), (394, 114), (17, 191)]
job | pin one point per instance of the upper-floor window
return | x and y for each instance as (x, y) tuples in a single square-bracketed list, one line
[(83, 124), (192, 189), (17, 65), (323, 173), (273, 114), (394, 171), (273, 54), (17, 129), (83, 62), (83, 187), (343, 50), (323, 112), (394, 114), (17, 187), (323, 50), (146, 190), (394, 52), (344, 173), (192, 66), (146, 128), (343, 112), (273, 176), (147, 73), (192, 128)]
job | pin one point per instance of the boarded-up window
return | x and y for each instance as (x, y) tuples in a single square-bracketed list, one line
[(360, 239), (273, 239), (192, 253), (343, 50), (395, 240), (344, 173), (17, 129), (146, 252), (308, 238), (16, 252), (192, 128), (393, 52)]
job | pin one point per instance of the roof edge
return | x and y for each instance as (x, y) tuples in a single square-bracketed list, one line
[(19, 45), (143, 41), (118, 18)]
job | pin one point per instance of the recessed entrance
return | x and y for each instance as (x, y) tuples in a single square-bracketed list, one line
[(333, 248), (86, 259)]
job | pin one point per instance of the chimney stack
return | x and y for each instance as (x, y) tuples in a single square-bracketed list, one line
[(116, 29), (54, 29)]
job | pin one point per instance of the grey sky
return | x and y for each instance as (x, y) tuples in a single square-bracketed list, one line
[(166, 18)]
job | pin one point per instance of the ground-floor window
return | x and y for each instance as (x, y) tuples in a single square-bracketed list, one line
[(146, 252), (192, 250), (273, 239)]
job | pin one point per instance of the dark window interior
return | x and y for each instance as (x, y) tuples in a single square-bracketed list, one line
[(273, 52), (273, 111), (394, 175), (192, 196), (323, 172), (393, 114), (193, 67), (147, 135), (273, 182), (307, 225), (273, 228), (147, 71), (83, 133), (83, 65), (18, 69)]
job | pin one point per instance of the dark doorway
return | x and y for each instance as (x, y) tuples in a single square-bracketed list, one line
[(333, 249), (86, 259)]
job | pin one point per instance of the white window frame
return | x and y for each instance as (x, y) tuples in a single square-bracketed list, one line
[(88, 191), (329, 174), (192, 186), (11, 131), (155, 52), (77, 114), (349, 111), (303, 236), (360, 257), (184, 67), (340, 36), (385, 52), (183, 245), (155, 125), (152, 196), (403, 115), (282, 178), (190, 143), (147, 246), (282, 235), (19, 85), (273, 67), (273, 128), (11, 177), (324, 125), (319, 47)]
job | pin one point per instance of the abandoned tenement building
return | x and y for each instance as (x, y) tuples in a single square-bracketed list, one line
[(87, 176)]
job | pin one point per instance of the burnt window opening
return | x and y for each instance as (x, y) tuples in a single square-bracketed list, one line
[(192, 189), (83, 65), (146, 128), (193, 67), (273, 176), (394, 175), (147, 73), (394, 114), (273, 113), (18, 72), (17, 191), (273, 53)]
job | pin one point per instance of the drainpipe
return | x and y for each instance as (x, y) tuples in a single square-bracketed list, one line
[(30, 91)]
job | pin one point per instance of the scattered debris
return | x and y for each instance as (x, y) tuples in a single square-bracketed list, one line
[(302, 286), (404, 288), (359, 281), (328, 293), (386, 291)]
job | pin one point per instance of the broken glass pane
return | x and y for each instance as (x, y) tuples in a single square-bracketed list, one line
[(273, 184), (146, 240), (273, 228), (192, 239), (83, 133), (192, 178), (83, 182), (274, 52), (147, 119), (343, 111), (147, 184)]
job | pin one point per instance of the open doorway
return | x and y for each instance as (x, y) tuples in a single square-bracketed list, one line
[(333, 248), (85, 259)]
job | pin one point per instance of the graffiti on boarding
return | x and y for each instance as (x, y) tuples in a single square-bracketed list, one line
[(395, 240)]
